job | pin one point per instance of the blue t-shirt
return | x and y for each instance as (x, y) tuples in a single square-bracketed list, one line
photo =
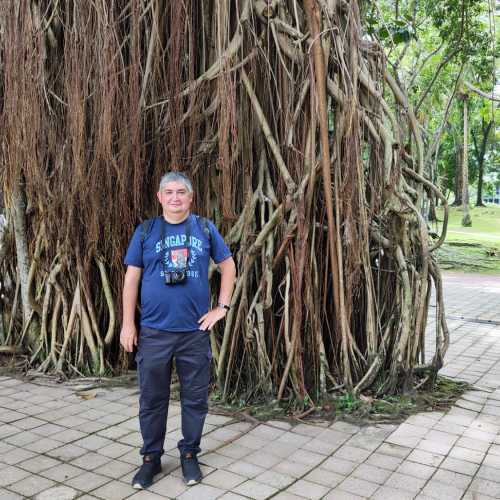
[(175, 308)]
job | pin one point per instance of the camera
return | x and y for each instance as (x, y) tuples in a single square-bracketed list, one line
[(175, 277)]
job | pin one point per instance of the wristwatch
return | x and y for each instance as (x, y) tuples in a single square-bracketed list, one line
[(223, 306)]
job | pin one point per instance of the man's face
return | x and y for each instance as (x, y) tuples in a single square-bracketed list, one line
[(175, 198)]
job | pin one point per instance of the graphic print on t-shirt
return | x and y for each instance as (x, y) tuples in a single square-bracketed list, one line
[(179, 258)]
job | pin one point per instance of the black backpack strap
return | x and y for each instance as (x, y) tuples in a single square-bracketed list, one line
[(145, 228), (206, 229)]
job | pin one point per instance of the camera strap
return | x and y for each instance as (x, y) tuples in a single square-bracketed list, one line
[(164, 247)]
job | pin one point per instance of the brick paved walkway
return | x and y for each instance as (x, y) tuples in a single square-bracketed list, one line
[(56, 446)]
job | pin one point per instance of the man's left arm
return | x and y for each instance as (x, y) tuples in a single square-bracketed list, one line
[(228, 277)]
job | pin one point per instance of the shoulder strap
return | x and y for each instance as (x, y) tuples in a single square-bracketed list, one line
[(146, 227)]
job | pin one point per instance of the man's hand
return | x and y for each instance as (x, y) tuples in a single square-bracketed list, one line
[(208, 320), (128, 337)]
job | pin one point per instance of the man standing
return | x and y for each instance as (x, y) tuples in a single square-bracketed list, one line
[(168, 258)]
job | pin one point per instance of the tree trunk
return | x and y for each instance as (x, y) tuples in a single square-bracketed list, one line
[(466, 218), (458, 176), (18, 211), (480, 154)]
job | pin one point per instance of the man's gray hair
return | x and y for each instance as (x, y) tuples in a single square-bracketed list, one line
[(176, 177)]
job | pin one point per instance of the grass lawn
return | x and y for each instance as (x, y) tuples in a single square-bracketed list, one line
[(475, 248)]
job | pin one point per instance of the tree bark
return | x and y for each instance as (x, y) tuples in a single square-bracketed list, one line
[(480, 154), (18, 210), (466, 219), (458, 176)]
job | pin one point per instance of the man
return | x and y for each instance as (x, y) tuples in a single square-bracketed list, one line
[(168, 258)]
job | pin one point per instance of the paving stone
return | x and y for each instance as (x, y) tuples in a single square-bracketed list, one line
[(416, 470), (12, 455), (87, 481), (292, 468), (225, 480), (480, 435), (116, 469), (115, 450), (405, 482), (460, 466), (489, 473), (91, 427), (38, 463), (255, 490), (93, 443), (143, 495), (388, 493), (22, 438), (29, 423), (307, 489), (90, 461), (31, 485), (492, 460), (113, 432), (216, 460), (170, 485), (384, 461), (235, 451), (263, 459), (9, 495), (298, 440), (473, 444), (8, 430), (433, 446), (67, 435), (425, 457), (132, 438), (486, 487), (42, 445), (436, 489), (283, 495), (275, 479), (308, 430), (324, 477), (461, 481), (358, 486), (12, 474), (306, 457), (339, 465), (115, 490), (345, 427), (374, 474), (10, 416), (394, 450), (365, 442), (494, 450), (62, 472), (201, 491), (353, 454), (317, 446), (245, 469), (47, 430), (467, 454), (57, 493)]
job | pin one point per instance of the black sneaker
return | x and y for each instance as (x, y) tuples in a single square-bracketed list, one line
[(149, 468), (190, 469)]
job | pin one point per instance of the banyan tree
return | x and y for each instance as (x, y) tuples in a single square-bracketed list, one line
[(303, 149)]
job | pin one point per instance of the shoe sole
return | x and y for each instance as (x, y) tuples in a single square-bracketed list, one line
[(192, 482)]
